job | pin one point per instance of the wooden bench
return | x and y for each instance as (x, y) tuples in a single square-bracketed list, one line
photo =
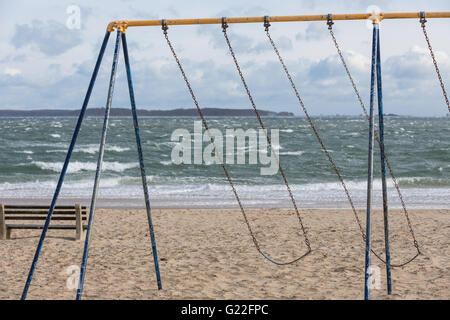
[(17, 213)]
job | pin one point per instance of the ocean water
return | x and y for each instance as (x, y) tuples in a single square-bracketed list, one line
[(32, 152)]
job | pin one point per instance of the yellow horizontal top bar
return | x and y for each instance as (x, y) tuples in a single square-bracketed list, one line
[(123, 24)]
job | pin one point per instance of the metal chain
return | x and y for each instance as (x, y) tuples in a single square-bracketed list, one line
[(436, 67), (217, 153), (394, 179), (336, 170), (224, 27), (265, 132)]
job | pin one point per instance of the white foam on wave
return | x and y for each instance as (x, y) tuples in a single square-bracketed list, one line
[(78, 166), (93, 149), (55, 135), (292, 153), (116, 149)]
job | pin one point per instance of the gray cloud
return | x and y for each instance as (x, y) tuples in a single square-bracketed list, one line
[(314, 32), (412, 64), (327, 68), (50, 37)]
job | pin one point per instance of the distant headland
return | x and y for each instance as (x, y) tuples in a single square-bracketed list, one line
[(126, 112)]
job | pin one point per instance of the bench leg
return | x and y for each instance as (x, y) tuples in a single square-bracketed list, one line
[(80, 234), (2, 222), (78, 222), (8, 233)]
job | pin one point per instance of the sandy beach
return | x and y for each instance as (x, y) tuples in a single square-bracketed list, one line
[(208, 254)]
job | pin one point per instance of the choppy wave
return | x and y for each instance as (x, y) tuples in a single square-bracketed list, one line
[(32, 152)]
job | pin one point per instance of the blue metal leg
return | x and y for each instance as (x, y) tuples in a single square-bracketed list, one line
[(370, 165), (99, 167), (64, 169), (141, 160), (383, 169)]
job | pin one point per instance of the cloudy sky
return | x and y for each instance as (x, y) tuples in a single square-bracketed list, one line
[(46, 64)]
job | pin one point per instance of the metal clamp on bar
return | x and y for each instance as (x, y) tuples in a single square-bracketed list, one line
[(422, 18), (121, 26), (375, 17), (224, 24), (164, 26), (330, 21), (266, 23)]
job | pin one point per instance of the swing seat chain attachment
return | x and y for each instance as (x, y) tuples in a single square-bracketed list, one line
[(224, 24), (164, 26), (422, 18), (330, 21), (266, 23)]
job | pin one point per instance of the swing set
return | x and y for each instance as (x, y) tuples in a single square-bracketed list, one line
[(121, 28)]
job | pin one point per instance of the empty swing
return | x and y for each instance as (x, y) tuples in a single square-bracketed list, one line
[(325, 149), (379, 138), (219, 158), (387, 261)]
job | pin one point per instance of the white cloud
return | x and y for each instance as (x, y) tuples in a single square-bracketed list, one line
[(50, 37), (12, 71), (357, 61)]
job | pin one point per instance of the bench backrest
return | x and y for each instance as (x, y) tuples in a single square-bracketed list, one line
[(32, 212)]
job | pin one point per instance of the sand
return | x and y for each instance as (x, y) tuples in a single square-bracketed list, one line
[(208, 254)]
